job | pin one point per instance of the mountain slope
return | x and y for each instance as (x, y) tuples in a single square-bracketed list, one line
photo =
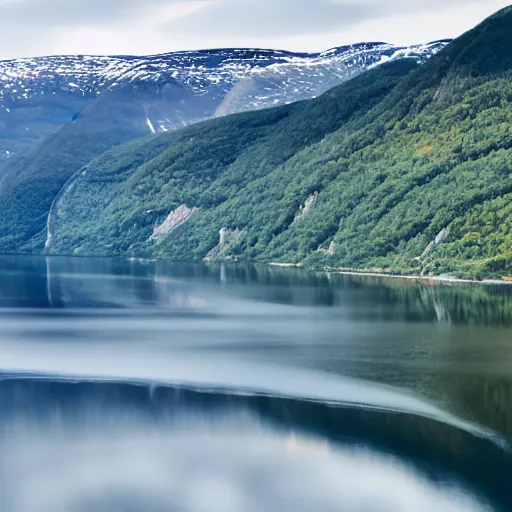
[(32, 181), (415, 177), (124, 98), (208, 162), (40, 95)]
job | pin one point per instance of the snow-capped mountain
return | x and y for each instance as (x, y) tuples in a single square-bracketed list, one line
[(39, 95)]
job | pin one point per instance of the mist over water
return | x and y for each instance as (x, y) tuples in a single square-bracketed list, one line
[(146, 386)]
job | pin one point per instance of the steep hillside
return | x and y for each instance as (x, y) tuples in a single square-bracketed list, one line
[(106, 101), (209, 162), (31, 182), (406, 170)]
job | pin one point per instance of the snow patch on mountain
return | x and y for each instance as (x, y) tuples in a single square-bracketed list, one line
[(20, 79), (38, 96)]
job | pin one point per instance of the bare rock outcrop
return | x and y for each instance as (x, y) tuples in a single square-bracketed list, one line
[(173, 221), (439, 239), (306, 207), (228, 240)]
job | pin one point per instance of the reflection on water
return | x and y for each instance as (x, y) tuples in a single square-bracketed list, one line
[(163, 448), (195, 470), (408, 389), (95, 282)]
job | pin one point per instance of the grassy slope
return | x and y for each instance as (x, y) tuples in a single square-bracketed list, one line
[(392, 167)]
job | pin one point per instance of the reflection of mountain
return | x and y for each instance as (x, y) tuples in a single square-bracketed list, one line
[(386, 330), (80, 281), (89, 283), (23, 282), (397, 299)]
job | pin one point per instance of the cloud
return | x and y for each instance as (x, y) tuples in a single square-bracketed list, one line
[(42, 27), (69, 13), (296, 17), (271, 17)]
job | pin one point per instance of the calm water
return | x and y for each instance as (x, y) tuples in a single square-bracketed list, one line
[(138, 386)]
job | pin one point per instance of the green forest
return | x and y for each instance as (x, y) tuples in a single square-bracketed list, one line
[(404, 169)]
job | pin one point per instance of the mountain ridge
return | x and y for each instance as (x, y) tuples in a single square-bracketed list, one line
[(40, 95), (93, 123), (419, 181), (406, 168)]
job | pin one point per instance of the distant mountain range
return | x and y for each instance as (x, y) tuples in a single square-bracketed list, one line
[(40, 95), (403, 168)]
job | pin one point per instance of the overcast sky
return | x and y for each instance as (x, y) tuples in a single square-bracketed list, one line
[(45, 27)]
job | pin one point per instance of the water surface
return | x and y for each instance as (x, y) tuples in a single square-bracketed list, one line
[(140, 386)]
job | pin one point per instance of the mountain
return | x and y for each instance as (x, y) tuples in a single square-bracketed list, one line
[(124, 98), (226, 154), (405, 168), (40, 95), (30, 182)]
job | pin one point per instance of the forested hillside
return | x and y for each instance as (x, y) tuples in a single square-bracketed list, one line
[(57, 113), (404, 168), (29, 184)]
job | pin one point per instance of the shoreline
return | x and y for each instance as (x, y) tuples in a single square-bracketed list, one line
[(298, 266), (438, 279)]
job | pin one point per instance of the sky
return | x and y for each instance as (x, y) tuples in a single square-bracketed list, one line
[(142, 27)]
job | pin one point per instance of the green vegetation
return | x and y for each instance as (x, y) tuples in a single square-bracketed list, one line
[(386, 163), (114, 206), (28, 185)]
